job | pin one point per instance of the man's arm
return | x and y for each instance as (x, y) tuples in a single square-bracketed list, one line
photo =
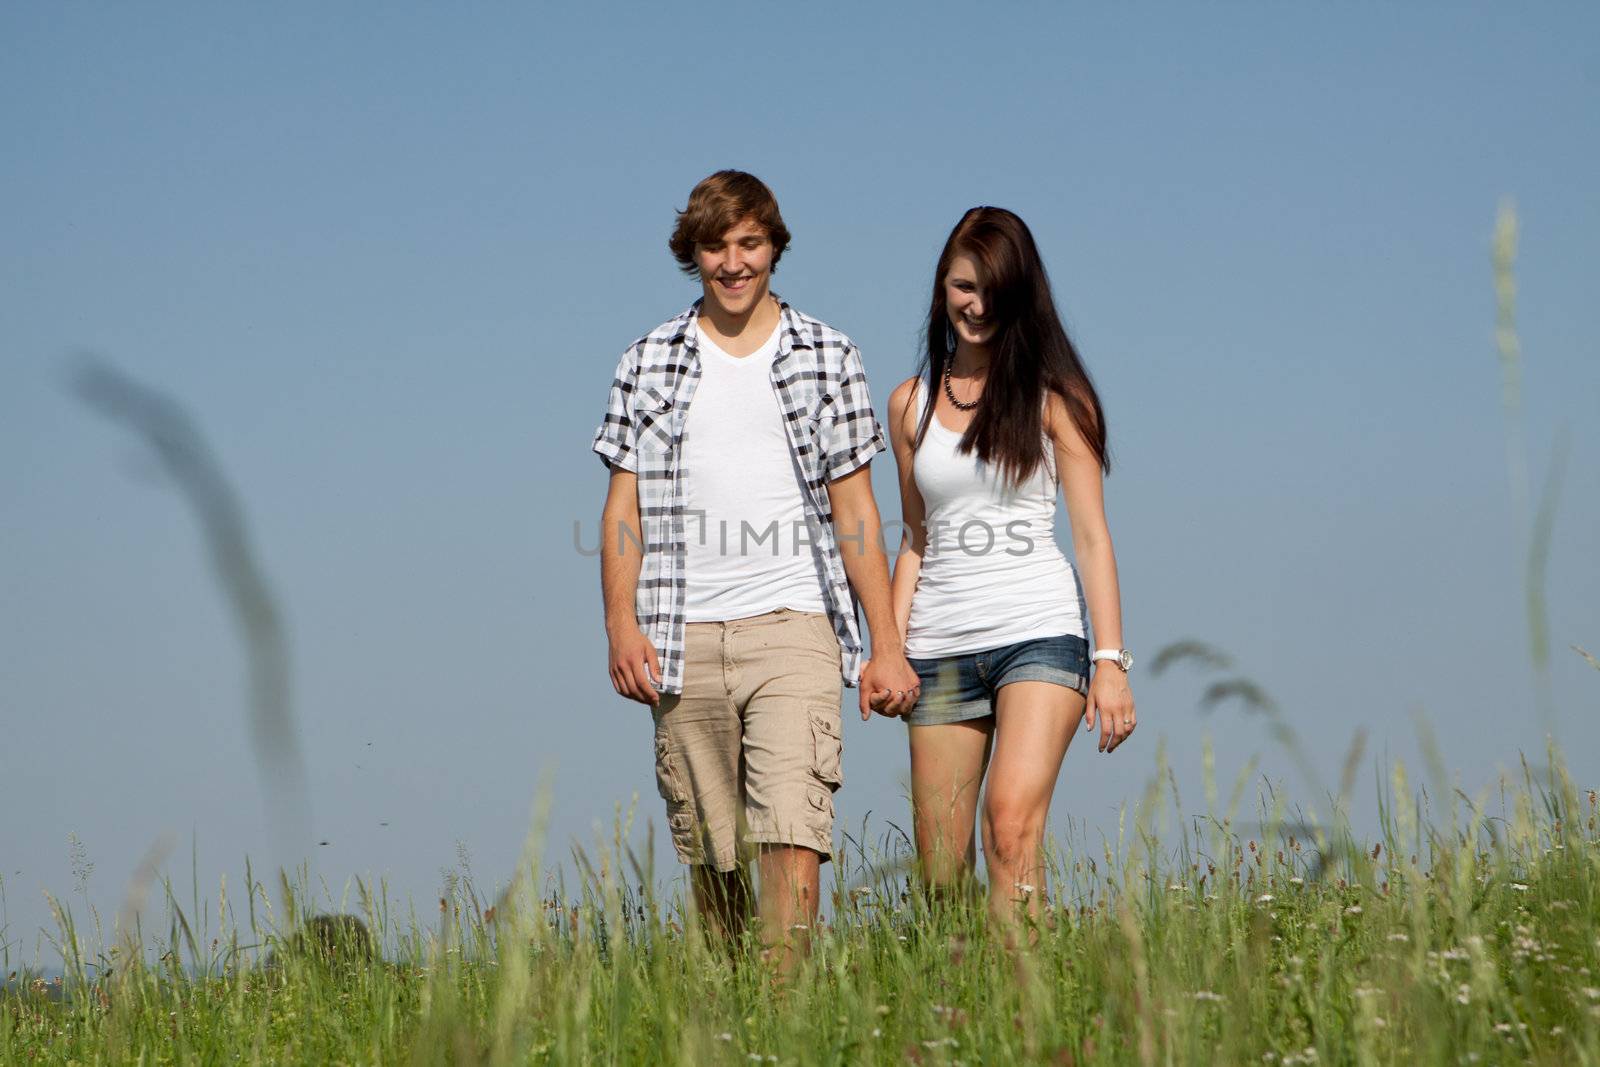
[(857, 529), (635, 668)]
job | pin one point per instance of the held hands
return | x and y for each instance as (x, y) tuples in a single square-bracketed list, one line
[(1111, 702), (889, 686), (635, 667)]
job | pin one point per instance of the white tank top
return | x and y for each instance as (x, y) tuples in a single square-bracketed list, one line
[(991, 574)]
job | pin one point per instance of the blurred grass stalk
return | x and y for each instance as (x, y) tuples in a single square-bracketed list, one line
[(177, 443), (1530, 539)]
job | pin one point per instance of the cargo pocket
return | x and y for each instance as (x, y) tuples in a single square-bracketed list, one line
[(827, 746), (668, 784), (821, 801), (680, 816)]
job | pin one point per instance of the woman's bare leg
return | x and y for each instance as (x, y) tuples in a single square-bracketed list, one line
[(1034, 724), (947, 763)]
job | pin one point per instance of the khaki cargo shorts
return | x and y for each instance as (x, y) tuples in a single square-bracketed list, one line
[(748, 754)]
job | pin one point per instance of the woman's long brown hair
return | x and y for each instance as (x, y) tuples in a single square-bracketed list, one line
[(1030, 353)]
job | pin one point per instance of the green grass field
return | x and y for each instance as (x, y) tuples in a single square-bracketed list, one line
[(1470, 934)]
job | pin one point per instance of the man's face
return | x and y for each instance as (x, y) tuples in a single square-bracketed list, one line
[(735, 268)]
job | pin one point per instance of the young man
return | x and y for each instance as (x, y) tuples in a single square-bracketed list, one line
[(738, 437)]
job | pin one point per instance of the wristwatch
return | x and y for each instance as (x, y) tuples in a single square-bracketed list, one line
[(1120, 656)]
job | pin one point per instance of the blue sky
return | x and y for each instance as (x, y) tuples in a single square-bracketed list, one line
[(388, 258)]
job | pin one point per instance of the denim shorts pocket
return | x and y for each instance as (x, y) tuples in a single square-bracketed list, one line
[(927, 671), (828, 747)]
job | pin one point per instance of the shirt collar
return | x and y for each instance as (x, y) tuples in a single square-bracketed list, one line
[(790, 337)]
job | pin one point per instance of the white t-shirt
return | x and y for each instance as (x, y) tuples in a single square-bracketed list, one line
[(748, 551)]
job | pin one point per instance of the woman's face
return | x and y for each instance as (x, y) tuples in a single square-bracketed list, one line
[(965, 302)]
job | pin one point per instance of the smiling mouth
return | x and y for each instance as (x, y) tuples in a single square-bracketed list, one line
[(735, 284), (975, 324)]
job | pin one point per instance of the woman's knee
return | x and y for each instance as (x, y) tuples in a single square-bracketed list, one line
[(1011, 831)]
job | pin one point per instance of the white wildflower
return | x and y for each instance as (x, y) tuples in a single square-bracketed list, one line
[(1399, 937), (1519, 887), (1463, 994), (1354, 909), (1264, 898), (1206, 994), (724, 1037)]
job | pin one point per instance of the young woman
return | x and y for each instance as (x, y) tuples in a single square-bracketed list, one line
[(1001, 414)]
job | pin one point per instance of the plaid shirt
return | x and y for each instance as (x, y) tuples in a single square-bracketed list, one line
[(831, 429)]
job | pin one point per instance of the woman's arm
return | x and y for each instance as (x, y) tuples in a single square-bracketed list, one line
[(913, 540), (1110, 701)]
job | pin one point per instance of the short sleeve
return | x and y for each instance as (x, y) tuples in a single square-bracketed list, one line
[(856, 436), (614, 441)]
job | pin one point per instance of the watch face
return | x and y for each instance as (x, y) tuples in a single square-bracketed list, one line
[(1125, 660)]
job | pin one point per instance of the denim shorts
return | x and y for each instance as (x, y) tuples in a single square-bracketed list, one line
[(964, 687)]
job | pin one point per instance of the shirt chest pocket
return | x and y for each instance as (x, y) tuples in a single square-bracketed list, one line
[(653, 419), (820, 420)]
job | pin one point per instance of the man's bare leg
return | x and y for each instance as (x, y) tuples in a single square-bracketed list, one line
[(722, 899), (790, 884)]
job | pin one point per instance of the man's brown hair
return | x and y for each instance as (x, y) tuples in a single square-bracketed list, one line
[(720, 203)]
